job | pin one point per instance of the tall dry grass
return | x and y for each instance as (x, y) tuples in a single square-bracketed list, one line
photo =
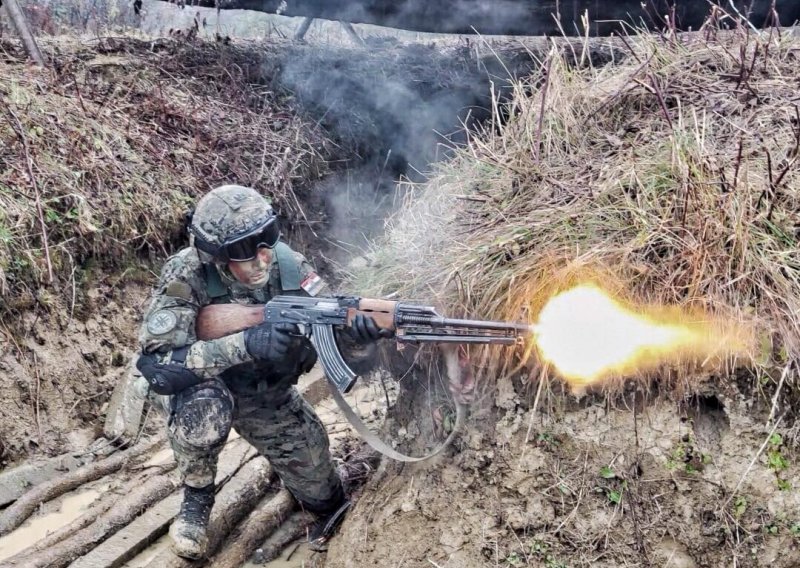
[(670, 177), (102, 155)]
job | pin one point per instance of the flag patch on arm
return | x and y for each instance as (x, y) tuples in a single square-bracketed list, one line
[(312, 284)]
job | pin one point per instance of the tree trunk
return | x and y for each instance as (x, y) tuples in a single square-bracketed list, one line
[(23, 30), (517, 17)]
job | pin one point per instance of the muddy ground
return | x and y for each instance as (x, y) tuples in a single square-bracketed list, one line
[(645, 481), (57, 372)]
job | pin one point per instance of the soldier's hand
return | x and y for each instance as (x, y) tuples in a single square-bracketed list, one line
[(364, 330), (271, 342)]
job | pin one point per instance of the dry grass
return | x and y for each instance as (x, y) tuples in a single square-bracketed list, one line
[(670, 177), (115, 143)]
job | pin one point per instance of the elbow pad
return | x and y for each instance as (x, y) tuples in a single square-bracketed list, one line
[(167, 378)]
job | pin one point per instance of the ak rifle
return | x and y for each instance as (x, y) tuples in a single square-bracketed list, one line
[(318, 317)]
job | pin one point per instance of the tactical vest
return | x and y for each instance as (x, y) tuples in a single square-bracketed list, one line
[(286, 281)]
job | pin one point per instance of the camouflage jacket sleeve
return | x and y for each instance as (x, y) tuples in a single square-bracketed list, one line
[(359, 357), (169, 322)]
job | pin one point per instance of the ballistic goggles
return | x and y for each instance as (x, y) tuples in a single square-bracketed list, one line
[(243, 247)]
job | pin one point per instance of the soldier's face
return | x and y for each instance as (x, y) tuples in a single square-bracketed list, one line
[(252, 273)]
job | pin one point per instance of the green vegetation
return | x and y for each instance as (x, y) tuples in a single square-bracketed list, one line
[(777, 461)]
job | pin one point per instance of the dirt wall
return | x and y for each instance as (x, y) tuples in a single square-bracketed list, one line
[(57, 372), (645, 481)]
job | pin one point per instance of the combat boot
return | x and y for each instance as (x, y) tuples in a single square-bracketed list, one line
[(189, 530)]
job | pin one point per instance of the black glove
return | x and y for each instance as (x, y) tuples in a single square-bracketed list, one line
[(364, 330), (271, 342), (308, 358), (166, 378)]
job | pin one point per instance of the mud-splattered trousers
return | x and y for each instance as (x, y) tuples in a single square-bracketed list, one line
[(260, 403), (273, 418)]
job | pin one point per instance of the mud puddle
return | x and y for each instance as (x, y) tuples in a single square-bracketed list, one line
[(67, 510)]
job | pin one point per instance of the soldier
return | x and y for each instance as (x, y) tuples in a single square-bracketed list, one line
[(243, 381)]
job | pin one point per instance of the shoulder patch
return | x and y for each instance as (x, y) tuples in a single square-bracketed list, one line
[(312, 283), (161, 322), (179, 289)]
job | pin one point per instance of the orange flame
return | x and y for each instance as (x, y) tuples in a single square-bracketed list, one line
[(588, 336)]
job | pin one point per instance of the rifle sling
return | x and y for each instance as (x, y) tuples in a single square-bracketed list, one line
[(379, 445)]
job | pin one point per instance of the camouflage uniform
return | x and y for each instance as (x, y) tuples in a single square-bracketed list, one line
[(262, 405)]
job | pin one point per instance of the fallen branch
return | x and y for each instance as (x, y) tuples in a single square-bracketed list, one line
[(19, 511), (260, 524), (234, 501), (124, 511)]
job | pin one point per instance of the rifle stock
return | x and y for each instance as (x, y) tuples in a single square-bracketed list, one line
[(218, 320)]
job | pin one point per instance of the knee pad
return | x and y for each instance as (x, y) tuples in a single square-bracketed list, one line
[(202, 416)]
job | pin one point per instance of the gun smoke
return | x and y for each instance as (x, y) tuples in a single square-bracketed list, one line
[(398, 108)]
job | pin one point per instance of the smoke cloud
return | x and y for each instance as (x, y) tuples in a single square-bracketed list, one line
[(397, 108)]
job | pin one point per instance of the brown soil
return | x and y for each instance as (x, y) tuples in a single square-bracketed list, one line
[(586, 483), (57, 373)]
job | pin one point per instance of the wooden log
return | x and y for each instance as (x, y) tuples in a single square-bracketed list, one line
[(125, 510), (518, 17), (291, 530), (106, 501), (69, 529), (236, 499), (16, 513), (151, 525), (265, 519), (128, 542), (17, 481)]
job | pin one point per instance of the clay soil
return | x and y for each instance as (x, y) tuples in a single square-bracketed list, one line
[(56, 376)]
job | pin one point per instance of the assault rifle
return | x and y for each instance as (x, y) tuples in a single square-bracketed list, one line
[(412, 323)]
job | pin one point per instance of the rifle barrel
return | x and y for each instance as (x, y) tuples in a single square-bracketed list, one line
[(461, 339), (521, 328)]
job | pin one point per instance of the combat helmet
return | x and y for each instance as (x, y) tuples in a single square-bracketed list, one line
[(231, 222)]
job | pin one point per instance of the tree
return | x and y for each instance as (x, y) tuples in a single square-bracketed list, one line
[(23, 30)]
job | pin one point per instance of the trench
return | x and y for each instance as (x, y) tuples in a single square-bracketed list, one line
[(394, 129)]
